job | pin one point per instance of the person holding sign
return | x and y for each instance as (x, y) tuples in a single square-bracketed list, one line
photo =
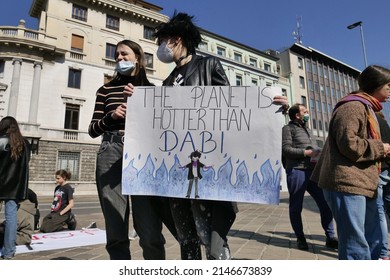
[(197, 221), (108, 121), (301, 152), (350, 164)]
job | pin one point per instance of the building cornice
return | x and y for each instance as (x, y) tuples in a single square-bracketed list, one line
[(311, 52), (136, 9)]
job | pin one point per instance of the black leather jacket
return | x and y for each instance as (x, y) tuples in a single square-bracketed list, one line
[(14, 174), (202, 71)]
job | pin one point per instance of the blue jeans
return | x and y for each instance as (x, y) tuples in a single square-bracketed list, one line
[(358, 228), (298, 182), (11, 223), (384, 180)]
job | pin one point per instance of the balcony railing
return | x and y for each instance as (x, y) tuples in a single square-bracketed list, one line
[(20, 32)]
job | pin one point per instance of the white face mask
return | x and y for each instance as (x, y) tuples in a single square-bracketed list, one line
[(164, 53), (124, 67)]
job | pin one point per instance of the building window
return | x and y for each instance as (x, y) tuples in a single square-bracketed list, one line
[(238, 80), (326, 126), (312, 106), (74, 78), (79, 12), (72, 113), (308, 66), (2, 66), (77, 43), (110, 51), (314, 123), (149, 33), (238, 57), (203, 46), (254, 82), (314, 68), (267, 67), (310, 84), (320, 125), (69, 161), (301, 82), (300, 63), (253, 62), (112, 22), (149, 60), (318, 106), (221, 51), (320, 71), (303, 100)]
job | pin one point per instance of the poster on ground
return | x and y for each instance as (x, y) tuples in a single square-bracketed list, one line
[(204, 142)]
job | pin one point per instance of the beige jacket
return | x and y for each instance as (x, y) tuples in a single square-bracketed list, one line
[(348, 160)]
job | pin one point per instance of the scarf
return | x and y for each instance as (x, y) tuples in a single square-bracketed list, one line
[(372, 106)]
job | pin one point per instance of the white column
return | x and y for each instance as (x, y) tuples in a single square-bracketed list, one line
[(34, 102), (14, 91)]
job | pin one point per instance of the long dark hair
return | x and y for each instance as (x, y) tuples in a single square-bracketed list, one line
[(140, 68), (9, 126), (373, 78)]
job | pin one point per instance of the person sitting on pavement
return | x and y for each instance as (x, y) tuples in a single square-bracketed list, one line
[(61, 214), (25, 229)]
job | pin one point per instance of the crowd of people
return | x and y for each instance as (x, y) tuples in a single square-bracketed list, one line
[(348, 177)]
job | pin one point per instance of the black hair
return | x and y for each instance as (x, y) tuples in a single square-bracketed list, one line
[(180, 25), (294, 109), (195, 154), (373, 78)]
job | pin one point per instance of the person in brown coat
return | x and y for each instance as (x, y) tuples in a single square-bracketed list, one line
[(349, 166)]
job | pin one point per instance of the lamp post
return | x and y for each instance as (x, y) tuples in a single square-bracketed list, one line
[(352, 26)]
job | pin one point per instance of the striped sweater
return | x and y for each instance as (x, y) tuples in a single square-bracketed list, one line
[(108, 98)]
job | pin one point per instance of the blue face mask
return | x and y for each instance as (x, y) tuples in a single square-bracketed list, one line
[(124, 67)]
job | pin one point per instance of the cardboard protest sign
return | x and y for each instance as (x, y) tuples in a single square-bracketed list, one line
[(235, 132)]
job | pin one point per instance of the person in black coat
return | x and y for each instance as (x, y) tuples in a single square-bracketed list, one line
[(14, 175)]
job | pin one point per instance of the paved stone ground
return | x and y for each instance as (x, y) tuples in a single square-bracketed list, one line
[(260, 232)]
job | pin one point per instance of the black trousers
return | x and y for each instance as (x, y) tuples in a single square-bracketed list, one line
[(149, 212), (149, 215)]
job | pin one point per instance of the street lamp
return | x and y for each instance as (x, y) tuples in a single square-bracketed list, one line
[(352, 26)]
